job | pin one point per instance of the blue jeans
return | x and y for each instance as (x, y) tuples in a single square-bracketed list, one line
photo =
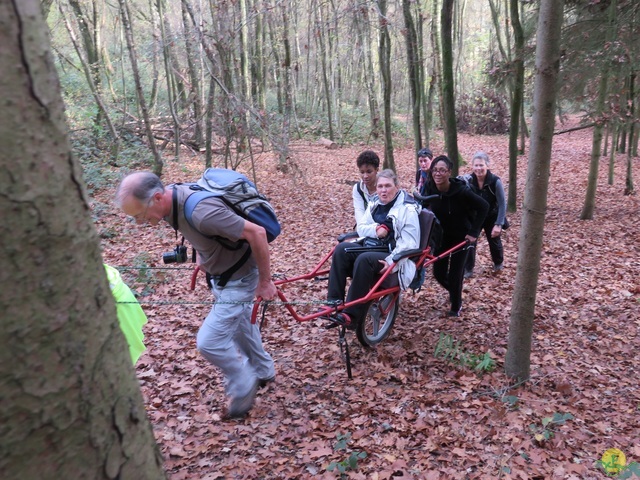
[(228, 340)]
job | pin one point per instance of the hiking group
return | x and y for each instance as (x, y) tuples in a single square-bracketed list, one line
[(231, 236)]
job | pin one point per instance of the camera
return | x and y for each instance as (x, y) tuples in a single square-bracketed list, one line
[(179, 255)]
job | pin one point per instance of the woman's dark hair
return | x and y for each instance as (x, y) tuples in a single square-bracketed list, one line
[(425, 152), (442, 158), (368, 157)]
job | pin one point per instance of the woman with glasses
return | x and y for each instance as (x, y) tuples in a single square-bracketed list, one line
[(461, 214)]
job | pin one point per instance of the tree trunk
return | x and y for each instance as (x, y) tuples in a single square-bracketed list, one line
[(320, 36), (413, 72), (448, 101), (288, 101), (628, 184), (209, 122), (631, 111), (276, 64), (516, 105), (171, 84), (194, 77), (435, 81), (86, 68), (364, 33), (422, 72), (385, 73), (524, 132), (629, 190), (90, 40), (71, 404), (612, 154), (133, 57), (590, 198), (518, 361)]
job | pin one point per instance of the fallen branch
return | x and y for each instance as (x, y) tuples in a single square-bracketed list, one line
[(582, 127)]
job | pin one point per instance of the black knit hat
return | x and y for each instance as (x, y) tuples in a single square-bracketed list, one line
[(425, 152)]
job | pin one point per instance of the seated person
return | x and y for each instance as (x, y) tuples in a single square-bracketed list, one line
[(394, 218), (364, 191)]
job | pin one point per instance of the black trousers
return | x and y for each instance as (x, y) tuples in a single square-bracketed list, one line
[(362, 267), (495, 247), (449, 272)]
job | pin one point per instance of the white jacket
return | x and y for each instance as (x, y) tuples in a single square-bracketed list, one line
[(406, 229)]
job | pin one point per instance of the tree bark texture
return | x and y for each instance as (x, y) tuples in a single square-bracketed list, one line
[(385, 73), (413, 72), (516, 104), (596, 145), (518, 361), (448, 101), (71, 404), (133, 57)]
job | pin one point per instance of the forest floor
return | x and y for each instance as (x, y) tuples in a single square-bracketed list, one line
[(413, 415)]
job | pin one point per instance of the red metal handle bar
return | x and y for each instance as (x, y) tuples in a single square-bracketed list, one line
[(373, 292)]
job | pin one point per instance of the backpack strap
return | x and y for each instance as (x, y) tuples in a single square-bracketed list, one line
[(361, 192), (228, 273), (189, 206)]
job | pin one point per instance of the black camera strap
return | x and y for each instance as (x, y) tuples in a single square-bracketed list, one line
[(174, 204)]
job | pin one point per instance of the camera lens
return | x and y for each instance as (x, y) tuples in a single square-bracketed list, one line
[(169, 257)]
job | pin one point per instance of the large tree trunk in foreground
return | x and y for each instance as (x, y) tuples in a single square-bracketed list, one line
[(518, 361), (71, 404)]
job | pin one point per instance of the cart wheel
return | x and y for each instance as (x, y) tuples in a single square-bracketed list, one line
[(378, 322)]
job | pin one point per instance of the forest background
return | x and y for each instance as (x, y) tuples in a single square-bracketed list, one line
[(177, 86)]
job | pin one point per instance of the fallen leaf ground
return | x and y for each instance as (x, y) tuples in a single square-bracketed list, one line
[(415, 416)]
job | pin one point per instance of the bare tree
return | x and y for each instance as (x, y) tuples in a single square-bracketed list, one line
[(413, 59), (133, 57), (517, 101), (518, 358), (596, 145), (90, 76), (385, 72), (71, 403), (448, 100)]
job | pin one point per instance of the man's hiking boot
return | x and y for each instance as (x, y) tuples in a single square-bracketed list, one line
[(240, 406), (264, 382)]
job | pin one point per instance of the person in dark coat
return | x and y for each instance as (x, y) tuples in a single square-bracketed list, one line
[(423, 176), (461, 214), (489, 186)]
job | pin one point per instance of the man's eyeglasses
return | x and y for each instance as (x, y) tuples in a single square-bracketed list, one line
[(439, 171)]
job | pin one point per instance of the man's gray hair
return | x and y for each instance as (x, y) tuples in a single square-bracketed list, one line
[(139, 185), (388, 173), (482, 156)]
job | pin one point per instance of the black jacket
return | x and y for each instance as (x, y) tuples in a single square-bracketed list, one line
[(493, 192), (460, 211)]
